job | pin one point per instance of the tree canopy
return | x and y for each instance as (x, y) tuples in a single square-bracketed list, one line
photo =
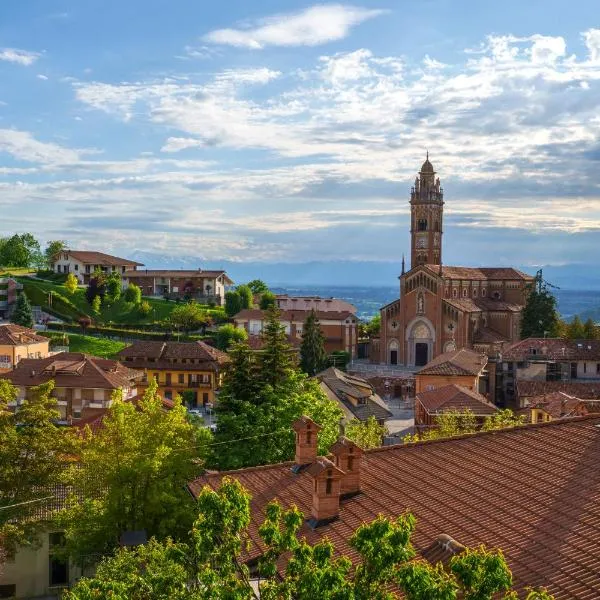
[(21, 251), (207, 566), (53, 251), (258, 286), (313, 357), (228, 334), (367, 434), (189, 316), (540, 317), (246, 296), (22, 314), (132, 475), (233, 303)]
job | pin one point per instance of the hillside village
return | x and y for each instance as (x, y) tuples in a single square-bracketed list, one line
[(466, 402)]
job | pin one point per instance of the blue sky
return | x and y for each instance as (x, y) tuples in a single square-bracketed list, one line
[(292, 132)]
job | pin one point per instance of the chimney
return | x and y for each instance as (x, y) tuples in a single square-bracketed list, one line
[(306, 441), (326, 483), (348, 458)]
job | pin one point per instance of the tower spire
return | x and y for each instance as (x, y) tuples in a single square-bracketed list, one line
[(402, 264)]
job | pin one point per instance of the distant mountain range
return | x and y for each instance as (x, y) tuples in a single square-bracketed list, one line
[(348, 273)]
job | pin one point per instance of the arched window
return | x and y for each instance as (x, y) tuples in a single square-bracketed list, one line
[(465, 292), (483, 291), (422, 225), (474, 292), (455, 293)]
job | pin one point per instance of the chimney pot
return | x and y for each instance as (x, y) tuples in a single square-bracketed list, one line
[(307, 440), (326, 484), (348, 458)]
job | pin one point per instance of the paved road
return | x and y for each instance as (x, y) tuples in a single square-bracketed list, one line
[(403, 420)]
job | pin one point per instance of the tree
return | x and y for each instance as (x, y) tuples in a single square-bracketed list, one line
[(15, 252), (267, 300), (575, 329), (144, 308), (233, 303), (96, 286), (113, 287), (258, 286), (189, 317), (246, 297), (97, 305), (133, 294), (53, 251), (22, 314), (34, 453), (131, 476), (277, 358), (367, 434), (590, 330), (228, 334), (207, 565), (71, 283), (374, 325), (313, 357), (540, 317)]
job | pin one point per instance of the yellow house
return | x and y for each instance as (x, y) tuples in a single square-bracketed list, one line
[(178, 367), (17, 343)]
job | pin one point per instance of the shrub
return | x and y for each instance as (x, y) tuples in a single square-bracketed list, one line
[(145, 308), (133, 294)]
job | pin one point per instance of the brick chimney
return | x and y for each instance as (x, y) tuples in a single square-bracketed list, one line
[(326, 484), (348, 458), (307, 432)]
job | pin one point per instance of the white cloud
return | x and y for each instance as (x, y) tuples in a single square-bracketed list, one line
[(592, 41), (546, 49), (175, 144), (20, 57), (347, 66), (42, 77), (23, 146), (311, 27)]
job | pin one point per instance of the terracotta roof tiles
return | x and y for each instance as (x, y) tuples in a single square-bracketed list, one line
[(295, 315), (584, 390), (455, 397), (457, 362), (99, 258), (532, 491), (553, 349), (15, 335), (481, 273)]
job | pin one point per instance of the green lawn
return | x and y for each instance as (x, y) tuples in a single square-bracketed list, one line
[(102, 347), (74, 306), (5, 271)]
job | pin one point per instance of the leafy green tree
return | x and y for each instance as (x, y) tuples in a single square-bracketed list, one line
[(277, 358), (133, 294), (97, 305), (540, 317), (267, 300), (313, 357), (114, 286), (53, 251), (131, 476), (96, 286), (14, 252), (258, 286), (34, 452), (367, 434), (207, 565), (575, 329), (189, 317), (373, 326), (246, 296), (229, 334), (590, 330), (22, 314), (71, 283), (233, 303), (503, 419)]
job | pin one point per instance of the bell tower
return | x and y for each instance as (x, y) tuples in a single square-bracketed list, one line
[(426, 213)]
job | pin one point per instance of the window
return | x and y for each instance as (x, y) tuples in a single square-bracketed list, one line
[(181, 378), (483, 291), (168, 394), (465, 292), (474, 292), (455, 293), (422, 225), (59, 569), (597, 367), (76, 267), (8, 591)]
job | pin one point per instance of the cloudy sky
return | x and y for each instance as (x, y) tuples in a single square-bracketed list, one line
[(290, 131)]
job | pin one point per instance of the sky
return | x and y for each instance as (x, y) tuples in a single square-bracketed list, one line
[(292, 132)]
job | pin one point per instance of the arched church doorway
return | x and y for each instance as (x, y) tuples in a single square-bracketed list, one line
[(420, 337), (393, 352)]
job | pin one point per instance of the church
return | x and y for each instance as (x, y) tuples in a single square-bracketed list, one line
[(442, 308)]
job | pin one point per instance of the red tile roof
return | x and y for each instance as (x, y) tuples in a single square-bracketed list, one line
[(481, 273), (455, 397), (482, 304), (457, 362), (73, 370), (532, 491), (558, 405), (295, 315), (99, 258), (587, 390), (553, 349), (169, 355), (15, 335)]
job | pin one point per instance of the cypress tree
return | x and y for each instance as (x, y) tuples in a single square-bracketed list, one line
[(23, 314), (313, 357), (539, 317), (277, 356)]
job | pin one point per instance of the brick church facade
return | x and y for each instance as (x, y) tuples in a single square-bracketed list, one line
[(442, 308)]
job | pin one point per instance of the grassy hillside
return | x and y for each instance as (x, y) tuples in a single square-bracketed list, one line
[(72, 307), (102, 347)]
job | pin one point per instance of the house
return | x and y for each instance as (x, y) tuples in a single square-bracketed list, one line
[(548, 359), (178, 367), (200, 285), (84, 384), (340, 329), (531, 490), (463, 367), (36, 571), (354, 395), (525, 390), (17, 343), (83, 263), (453, 397), (9, 290), (304, 303)]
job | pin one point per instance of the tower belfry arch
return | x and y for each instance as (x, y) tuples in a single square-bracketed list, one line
[(427, 211)]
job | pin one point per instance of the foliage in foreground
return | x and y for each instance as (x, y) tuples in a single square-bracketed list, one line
[(367, 434), (207, 565)]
